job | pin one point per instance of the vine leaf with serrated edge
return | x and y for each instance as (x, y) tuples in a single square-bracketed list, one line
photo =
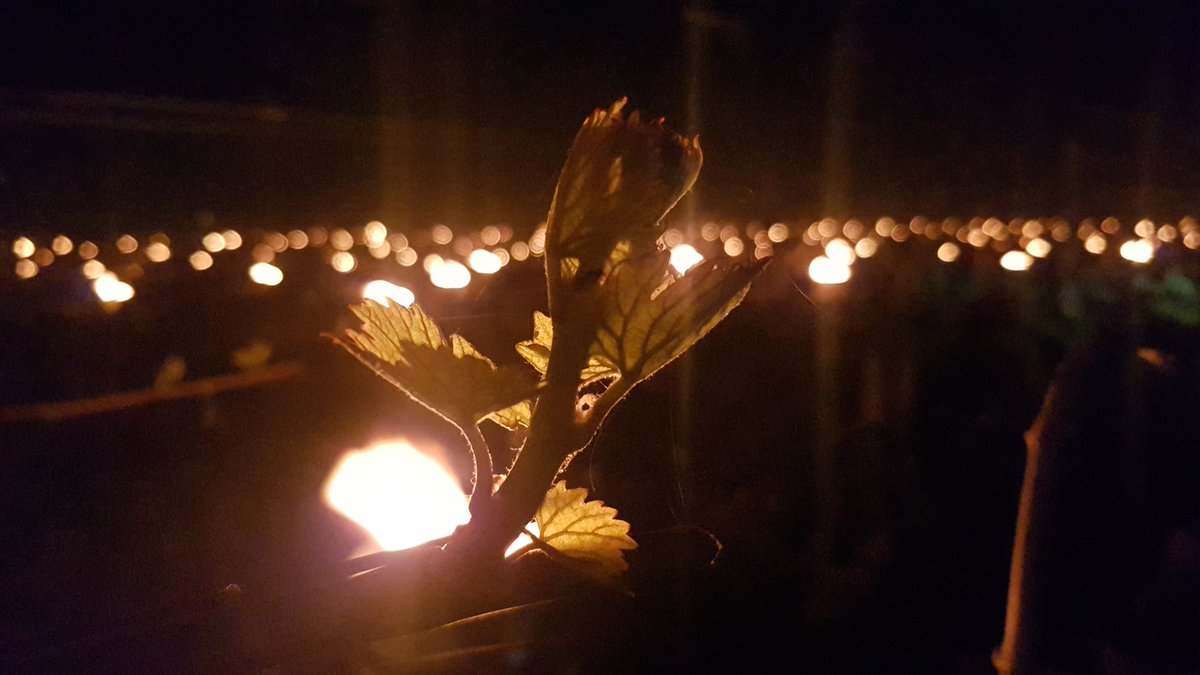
[(587, 532), (648, 318), (447, 375), (621, 176), (537, 352)]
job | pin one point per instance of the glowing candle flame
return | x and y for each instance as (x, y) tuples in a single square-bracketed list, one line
[(400, 496), (825, 271), (385, 293), (684, 257)]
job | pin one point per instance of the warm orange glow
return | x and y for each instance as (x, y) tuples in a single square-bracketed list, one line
[(341, 240), (61, 245), (26, 269), (158, 252), (825, 271), (490, 235), (520, 251), (23, 247), (734, 247), (400, 496), (265, 274), (111, 289), (537, 242), (1140, 251), (297, 239), (447, 273), (213, 242), (684, 257), (1144, 228), (840, 251), (1038, 248), (386, 293), (441, 234), (484, 261), (375, 233), (343, 262), (93, 269), (672, 238), (407, 257), (778, 232), (127, 244), (200, 260), (1016, 261), (948, 252), (1095, 243), (233, 240), (866, 247)]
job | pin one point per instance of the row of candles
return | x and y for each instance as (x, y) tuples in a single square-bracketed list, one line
[(451, 259)]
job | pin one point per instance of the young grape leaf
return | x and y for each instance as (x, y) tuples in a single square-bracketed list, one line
[(621, 176), (584, 531), (447, 375), (649, 318), (537, 351), (514, 416)]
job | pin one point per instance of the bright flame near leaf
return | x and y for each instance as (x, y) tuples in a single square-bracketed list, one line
[(825, 271), (523, 539), (265, 273), (400, 496), (385, 293), (684, 257)]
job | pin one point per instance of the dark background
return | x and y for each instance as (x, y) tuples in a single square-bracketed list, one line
[(182, 117)]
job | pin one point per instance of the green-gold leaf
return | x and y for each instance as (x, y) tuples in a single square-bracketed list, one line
[(449, 375)]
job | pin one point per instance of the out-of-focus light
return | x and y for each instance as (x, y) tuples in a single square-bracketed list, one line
[(126, 243), (1061, 231), (441, 234), (449, 274), (523, 539), (343, 262), (375, 233), (233, 240), (265, 274), (520, 251), (1038, 248), (397, 241), (978, 238), (734, 247), (1139, 251), (213, 242), (23, 247), (710, 232), (840, 251), (341, 240), (1016, 261), (866, 247), (684, 257), (200, 260), (900, 234), (503, 255), (431, 261), (778, 232), (26, 269), (43, 257), (61, 245), (672, 237), (490, 235), (159, 238), (948, 252), (728, 232), (1032, 229), (401, 497), (853, 230), (383, 250), (111, 289), (1110, 225), (761, 252), (387, 293), (158, 252), (297, 239), (484, 261), (884, 227), (93, 269), (462, 246), (276, 241), (1095, 244), (537, 242), (1144, 228), (1192, 239), (317, 236), (1167, 233), (407, 257), (262, 253), (829, 272)]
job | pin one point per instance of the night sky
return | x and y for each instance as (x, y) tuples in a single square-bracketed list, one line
[(139, 115)]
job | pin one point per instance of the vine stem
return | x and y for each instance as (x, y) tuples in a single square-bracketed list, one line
[(481, 467)]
